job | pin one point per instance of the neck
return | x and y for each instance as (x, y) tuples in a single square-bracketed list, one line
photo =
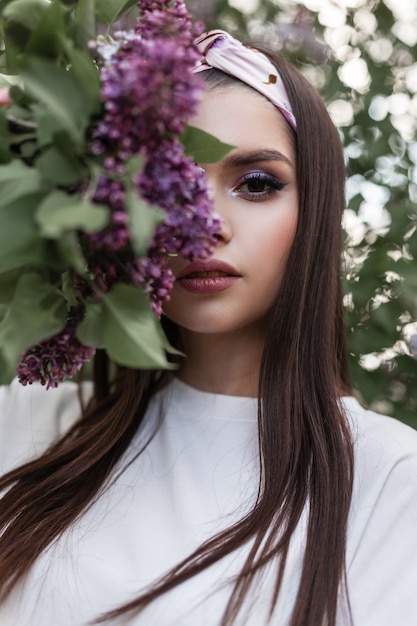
[(227, 364)]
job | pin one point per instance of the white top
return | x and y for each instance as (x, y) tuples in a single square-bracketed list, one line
[(197, 476)]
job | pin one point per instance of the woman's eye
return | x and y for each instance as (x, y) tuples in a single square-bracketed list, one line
[(258, 186)]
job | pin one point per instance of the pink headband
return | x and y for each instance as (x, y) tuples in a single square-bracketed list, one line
[(221, 51)]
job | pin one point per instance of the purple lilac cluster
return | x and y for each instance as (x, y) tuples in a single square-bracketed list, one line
[(54, 359), (173, 182), (148, 93), (147, 88)]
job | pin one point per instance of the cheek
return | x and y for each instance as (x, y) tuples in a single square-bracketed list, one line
[(273, 257), (272, 241), (282, 239)]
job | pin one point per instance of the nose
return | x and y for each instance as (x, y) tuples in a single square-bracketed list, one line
[(219, 200), (225, 234)]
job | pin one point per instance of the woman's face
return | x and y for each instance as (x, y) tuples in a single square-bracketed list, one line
[(255, 193)]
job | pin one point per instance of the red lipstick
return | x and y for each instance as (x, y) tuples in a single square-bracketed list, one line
[(205, 277)]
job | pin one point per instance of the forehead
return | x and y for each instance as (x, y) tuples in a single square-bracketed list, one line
[(240, 116)]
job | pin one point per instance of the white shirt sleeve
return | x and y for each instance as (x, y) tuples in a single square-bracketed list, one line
[(32, 417), (382, 537)]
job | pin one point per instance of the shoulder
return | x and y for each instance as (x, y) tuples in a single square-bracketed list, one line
[(385, 457), (385, 474), (383, 438), (32, 417), (384, 499), (382, 535)]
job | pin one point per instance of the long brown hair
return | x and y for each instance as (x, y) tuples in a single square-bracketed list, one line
[(306, 455)]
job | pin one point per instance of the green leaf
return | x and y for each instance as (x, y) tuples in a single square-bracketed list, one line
[(202, 146), (69, 292), (85, 23), (5, 155), (16, 181), (36, 312), (86, 73), (25, 12), (89, 330), (47, 125), (60, 168), (8, 282), (131, 332), (134, 167), (109, 10), (46, 38), (61, 93), (3, 311), (20, 18), (143, 219), (7, 80), (60, 212), (70, 252), (28, 148), (20, 243)]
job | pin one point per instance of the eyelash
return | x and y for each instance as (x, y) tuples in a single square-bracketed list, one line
[(270, 181)]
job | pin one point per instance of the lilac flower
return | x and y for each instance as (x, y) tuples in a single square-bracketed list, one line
[(147, 6), (149, 92), (158, 18), (156, 280), (104, 273), (148, 89), (54, 359), (173, 182), (116, 235)]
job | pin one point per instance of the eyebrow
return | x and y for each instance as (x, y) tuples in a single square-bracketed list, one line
[(248, 158)]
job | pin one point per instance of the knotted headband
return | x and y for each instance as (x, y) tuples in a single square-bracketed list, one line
[(222, 51)]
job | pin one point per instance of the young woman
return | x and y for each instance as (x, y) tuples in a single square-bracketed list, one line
[(248, 487)]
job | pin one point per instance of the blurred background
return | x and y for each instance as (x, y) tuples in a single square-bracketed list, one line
[(362, 57)]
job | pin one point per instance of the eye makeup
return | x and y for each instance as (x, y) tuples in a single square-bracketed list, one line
[(257, 185)]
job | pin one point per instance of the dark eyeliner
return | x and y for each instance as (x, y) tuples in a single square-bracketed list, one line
[(272, 185), (263, 176)]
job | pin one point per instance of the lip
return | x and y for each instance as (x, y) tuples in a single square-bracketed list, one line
[(205, 277), (203, 267)]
